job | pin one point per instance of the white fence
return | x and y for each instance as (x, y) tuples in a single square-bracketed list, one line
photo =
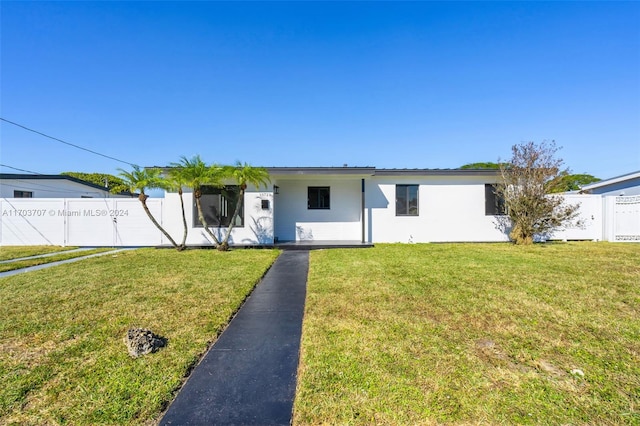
[(115, 222), (624, 214), (79, 222)]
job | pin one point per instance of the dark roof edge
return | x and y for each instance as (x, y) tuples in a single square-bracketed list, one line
[(437, 172), (372, 171), (321, 170)]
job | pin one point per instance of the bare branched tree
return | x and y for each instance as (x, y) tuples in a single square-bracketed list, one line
[(528, 179)]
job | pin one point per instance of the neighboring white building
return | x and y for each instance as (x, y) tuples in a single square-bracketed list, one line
[(624, 185), (50, 186), (620, 206)]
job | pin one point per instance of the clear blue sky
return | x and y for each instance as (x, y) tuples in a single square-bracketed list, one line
[(391, 85)]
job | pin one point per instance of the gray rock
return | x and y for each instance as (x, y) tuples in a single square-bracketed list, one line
[(141, 341)]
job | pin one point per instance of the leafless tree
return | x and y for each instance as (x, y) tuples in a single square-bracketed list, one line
[(528, 177)]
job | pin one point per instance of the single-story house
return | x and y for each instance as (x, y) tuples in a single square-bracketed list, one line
[(334, 205), (625, 185), (50, 186), (358, 204)]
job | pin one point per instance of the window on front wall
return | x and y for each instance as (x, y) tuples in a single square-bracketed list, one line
[(406, 200), (493, 201), (218, 206), (22, 194), (318, 197)]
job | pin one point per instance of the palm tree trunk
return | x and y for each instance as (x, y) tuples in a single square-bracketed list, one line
[(224, 246), (204, 222), (143, 200), (183, 245)]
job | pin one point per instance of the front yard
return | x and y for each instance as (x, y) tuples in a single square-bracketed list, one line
[(396, 334), (62, 354), (472, 334)]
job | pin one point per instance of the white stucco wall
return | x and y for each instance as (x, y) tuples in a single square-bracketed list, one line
[(258, 223), (450, 209), (296, 222)]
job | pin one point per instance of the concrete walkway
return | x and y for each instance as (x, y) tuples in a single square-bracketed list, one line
[(59, 262), (248, 377)]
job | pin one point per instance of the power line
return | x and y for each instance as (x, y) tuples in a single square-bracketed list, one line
[(68, 143), (20, 170)]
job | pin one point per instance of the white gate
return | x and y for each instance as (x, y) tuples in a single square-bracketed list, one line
[(626, 219)]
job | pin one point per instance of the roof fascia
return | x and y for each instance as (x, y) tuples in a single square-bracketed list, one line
[(297, 171), (437, 172), (612, 181)]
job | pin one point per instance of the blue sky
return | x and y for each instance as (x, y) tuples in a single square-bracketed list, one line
[(385, 84)]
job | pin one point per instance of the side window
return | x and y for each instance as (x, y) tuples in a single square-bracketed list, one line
[(406, 200), (318, 197), (493, 202), (22, 194)]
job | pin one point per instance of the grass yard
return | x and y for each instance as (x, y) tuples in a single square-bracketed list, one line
[(63, 255), (63, 359), (15, 252), (472, 334)]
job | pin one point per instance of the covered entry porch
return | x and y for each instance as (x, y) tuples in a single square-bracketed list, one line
[(319, 206)]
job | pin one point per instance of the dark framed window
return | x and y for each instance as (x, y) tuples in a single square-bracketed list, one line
[(493, 201), (22, 194), (218, 206), (318, 197), (406, 200)]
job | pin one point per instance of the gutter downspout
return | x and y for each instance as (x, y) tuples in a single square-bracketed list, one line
[(363, 212)]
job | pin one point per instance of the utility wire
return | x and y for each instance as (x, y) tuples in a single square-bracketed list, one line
[(20, 170), (68, 143)]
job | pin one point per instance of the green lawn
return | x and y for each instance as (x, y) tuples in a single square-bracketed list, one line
[(63, 359), (472, 334), (396, 334)]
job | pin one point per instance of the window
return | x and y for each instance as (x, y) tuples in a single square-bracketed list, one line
[(493, 202), (318, 197), (22, 194), (218, 205), (406, 200)]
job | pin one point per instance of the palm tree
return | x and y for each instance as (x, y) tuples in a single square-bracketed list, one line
[(174, 182), (242, 174), (194, 173), (140, 179)]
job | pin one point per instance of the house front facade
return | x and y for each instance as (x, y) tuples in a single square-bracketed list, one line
[(353, 204), (334, 205)]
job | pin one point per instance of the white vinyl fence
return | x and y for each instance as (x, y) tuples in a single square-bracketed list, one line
[(122, 222), (588, 224), (624, 214), (112, 222)]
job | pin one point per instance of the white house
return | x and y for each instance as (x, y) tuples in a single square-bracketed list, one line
[(50, 186), (353, 204), (333, 205)]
